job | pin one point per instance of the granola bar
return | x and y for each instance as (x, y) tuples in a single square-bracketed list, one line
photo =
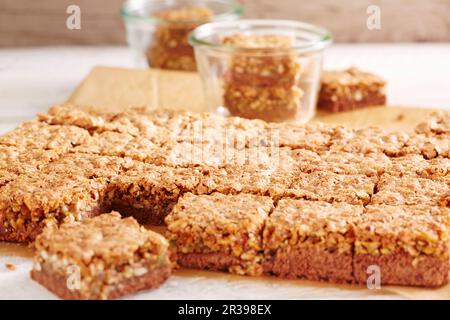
[(409, 245), (170, 48), (311, 239), (350, 89), (148, 192), (330, 187), (371, 164), (417, 166), (39, 135), (369, 140), (428, 146), (260, 84), (219, 232), (15, 161), (35, 199), (392, 190), (105, 257)]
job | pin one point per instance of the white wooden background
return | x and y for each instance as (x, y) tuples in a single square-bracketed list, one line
[(43, 22)]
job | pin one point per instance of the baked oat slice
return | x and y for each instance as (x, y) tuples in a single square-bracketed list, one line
[(33, 200), (254, 65), (326, 186), (350, 89), (314, 137), (18, 160), (311, 239), (39, 135), (89, 165), (105, 257), (117, 144), (407, 190), (368, 141), (415, 165), (409, 245), (148, 192), (371, 164), (219, 232)]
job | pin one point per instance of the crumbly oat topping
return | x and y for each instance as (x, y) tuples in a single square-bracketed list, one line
[(39, 135), (341, 80), (369, 140), (298, 223), (409, 190), (331, 187), (417, 230), (438, 123), (186, 14)]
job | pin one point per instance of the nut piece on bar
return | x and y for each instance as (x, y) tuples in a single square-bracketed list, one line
[(39, 135), (311, 239), (262, 78), (330, 187), (33, 200), (219, 232), (149, 192), (108, 257), (409, 190), (410, 245), (438, 123), (350, 89), (170, 48)]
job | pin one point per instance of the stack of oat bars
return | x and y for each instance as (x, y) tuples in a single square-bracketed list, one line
[(261, 81), (170, 48), (313, 201)]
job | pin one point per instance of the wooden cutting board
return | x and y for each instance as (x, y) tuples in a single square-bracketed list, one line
[(114, 88)]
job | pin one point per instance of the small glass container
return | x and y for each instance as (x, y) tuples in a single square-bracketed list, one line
[(157, 30), (261, 69)]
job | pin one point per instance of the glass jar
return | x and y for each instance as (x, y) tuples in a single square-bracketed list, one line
[(261, 69), (157, 30)]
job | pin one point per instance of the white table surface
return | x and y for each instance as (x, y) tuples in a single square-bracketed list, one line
[(33, 79)]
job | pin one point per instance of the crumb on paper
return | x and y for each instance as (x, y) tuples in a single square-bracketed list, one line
[(400, 117), (10, 266)]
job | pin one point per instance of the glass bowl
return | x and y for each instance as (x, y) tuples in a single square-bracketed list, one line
[(157, 30), (261, 69)]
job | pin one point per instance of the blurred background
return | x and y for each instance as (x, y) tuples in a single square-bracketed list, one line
[(36, 23), (42, 61)]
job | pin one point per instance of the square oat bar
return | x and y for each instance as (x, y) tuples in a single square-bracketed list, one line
[(369, 140), (148, 192), (33, 200), (409, 190), (311, 239), (15, 161), (350, 89), (410, 245), (330, 187), (415, 165), (219, 232), (39, 135), (105, 257)]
